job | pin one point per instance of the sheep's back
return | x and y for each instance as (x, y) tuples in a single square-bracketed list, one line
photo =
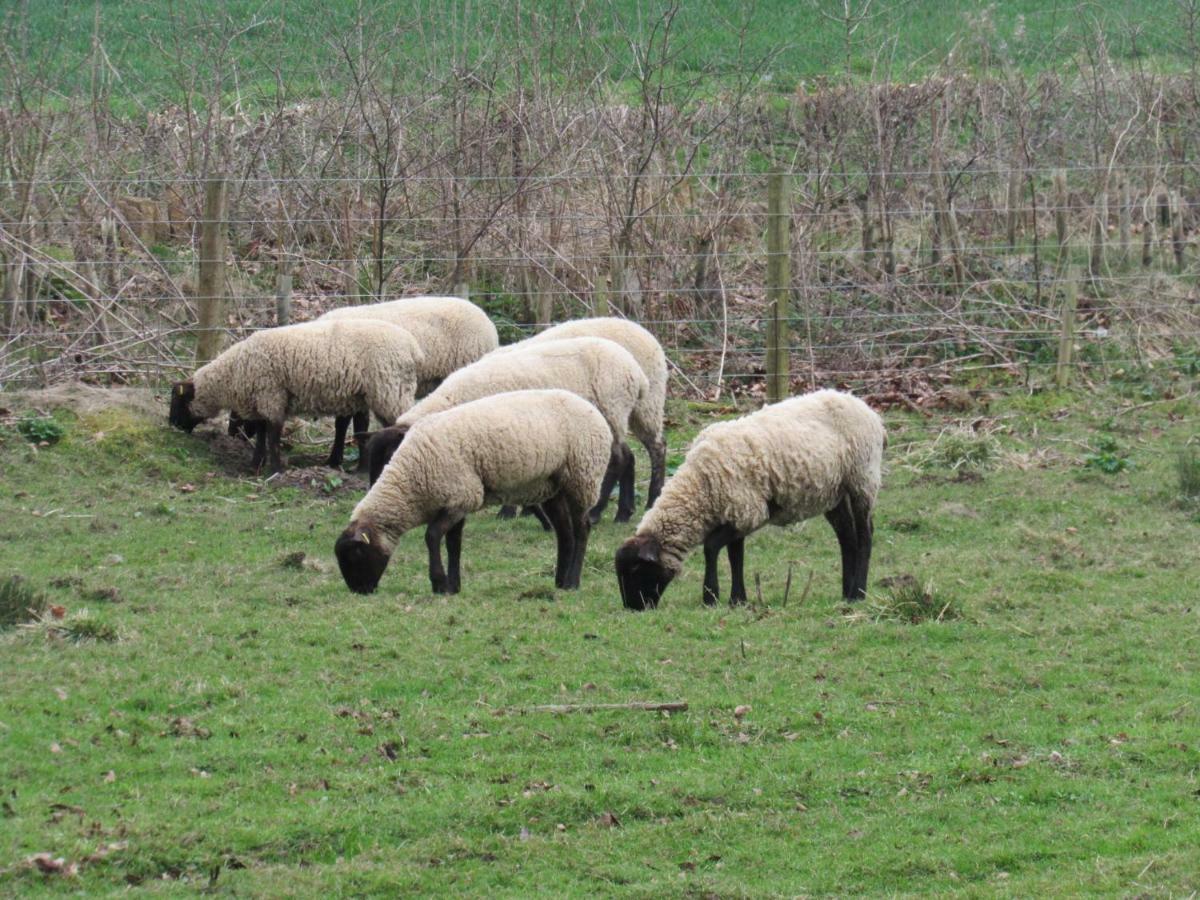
[(451, 331), (516, 446)]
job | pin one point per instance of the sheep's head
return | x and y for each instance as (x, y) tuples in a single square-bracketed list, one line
[(380, 447), (361, 557), (182, 416), (641, 574)]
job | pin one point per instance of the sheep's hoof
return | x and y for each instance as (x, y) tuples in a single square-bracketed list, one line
[(507, 512), (623, 516)]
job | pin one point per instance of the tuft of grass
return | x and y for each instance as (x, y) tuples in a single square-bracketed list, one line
[(959, 448), (78, 627), (1187, 467), (19, 602), (912, 601)]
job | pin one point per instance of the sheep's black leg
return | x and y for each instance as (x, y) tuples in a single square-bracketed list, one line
[(362, 421), (841, 517), (507, 512), (260, 448), (610, 478), (658, 470), (625, 494), (338, 451), (736, 551), (274, 439), (864, 528), (713, 542), (559, 514), (454, 552), (536, 511), (433, 543), (581, 527)]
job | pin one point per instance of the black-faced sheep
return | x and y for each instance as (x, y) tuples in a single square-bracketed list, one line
[(317, 368), (820, 453), (546, 447)]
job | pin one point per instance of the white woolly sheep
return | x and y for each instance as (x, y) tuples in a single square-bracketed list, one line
[(451, 331), (546, 447), (316, 368), (648, 352), (597, 370), (820, 453)]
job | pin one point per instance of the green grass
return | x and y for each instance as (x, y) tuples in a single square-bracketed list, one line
[(257, 729), (150, 45)]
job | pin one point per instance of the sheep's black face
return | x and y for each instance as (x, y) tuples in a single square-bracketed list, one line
[(641, 576), (361, 558), (180, 416), (380, 448)]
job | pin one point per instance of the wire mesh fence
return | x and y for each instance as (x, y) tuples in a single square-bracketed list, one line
[(884, 292)]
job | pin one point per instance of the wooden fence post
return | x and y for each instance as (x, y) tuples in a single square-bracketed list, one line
[(1066, 338), (1177, 242), (1096, 264), (283, 293), (778, 286), (210, 288), (1124, 218), (1061, 200)]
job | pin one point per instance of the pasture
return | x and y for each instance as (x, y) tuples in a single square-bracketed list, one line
[(154, 52), (215, 710)]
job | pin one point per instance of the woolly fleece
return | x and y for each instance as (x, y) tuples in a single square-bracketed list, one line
[(647, 420), (451, 331), (597, 370)]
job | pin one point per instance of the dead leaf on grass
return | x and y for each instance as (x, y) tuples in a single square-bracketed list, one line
[(48, 864)]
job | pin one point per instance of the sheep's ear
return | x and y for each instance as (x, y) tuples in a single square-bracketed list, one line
[(648, 551)]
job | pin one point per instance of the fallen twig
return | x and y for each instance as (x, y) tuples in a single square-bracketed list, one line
[(639, 705)]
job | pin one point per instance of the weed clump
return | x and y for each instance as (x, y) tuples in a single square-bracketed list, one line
[(19, 602), (910, 601), (40, 429), (1107, 457)]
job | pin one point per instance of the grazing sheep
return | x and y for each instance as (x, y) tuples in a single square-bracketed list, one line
[(317, 368), (644, 348), (451, 331), (549, 447), (595, 369), (820, 453)]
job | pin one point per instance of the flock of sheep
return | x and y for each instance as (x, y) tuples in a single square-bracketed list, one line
[(541, 424)]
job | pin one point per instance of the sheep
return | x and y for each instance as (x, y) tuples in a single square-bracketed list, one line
[(316, 368), (543, 446), (596, 369), (819, 453), (644, 348), (451, 331)]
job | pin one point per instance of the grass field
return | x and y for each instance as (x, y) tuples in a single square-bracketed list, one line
[(151, 44), (255, 728)]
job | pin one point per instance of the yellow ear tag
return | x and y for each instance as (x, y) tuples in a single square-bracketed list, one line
[(365, 538), (181, 390)]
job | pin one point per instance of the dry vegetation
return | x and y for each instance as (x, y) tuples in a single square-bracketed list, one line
[(932, 220)]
